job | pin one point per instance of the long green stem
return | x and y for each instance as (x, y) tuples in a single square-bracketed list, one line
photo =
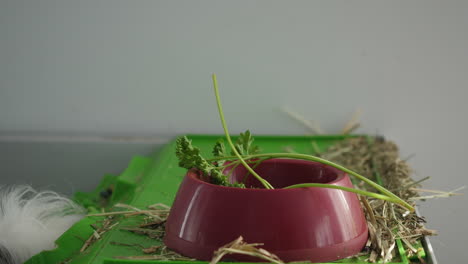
[(388, 195), (318, 185), (228, 137), (323, 161), (257, 163), (227, 165), (353, 190)]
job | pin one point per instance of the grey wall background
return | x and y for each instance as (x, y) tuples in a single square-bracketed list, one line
[(82, 69)]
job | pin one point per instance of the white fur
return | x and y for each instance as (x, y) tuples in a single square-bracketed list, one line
[(31, 221)]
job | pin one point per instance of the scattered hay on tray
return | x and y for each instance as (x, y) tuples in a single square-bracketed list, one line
[(238, 246), (156, 252), (152, 225), (99, 229)]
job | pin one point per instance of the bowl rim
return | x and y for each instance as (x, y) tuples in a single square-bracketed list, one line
[(194, 175)]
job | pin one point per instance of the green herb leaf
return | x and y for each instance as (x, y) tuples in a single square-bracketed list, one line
[(219, 150), (244, 144)]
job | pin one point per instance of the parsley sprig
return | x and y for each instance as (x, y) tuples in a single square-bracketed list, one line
[(190, 158)]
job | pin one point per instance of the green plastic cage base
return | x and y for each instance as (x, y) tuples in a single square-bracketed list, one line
[(155, 179)]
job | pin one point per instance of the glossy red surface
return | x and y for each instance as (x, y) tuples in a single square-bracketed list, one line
[(314, 224)]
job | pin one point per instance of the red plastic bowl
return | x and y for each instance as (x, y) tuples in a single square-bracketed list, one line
[(303, 224)]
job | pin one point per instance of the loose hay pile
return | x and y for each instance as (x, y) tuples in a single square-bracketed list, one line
[(379, 160)]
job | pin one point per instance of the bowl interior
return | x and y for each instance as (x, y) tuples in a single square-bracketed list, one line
[(285, 172)]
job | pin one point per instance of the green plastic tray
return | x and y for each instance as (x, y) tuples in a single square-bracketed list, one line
[(150, 180)]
